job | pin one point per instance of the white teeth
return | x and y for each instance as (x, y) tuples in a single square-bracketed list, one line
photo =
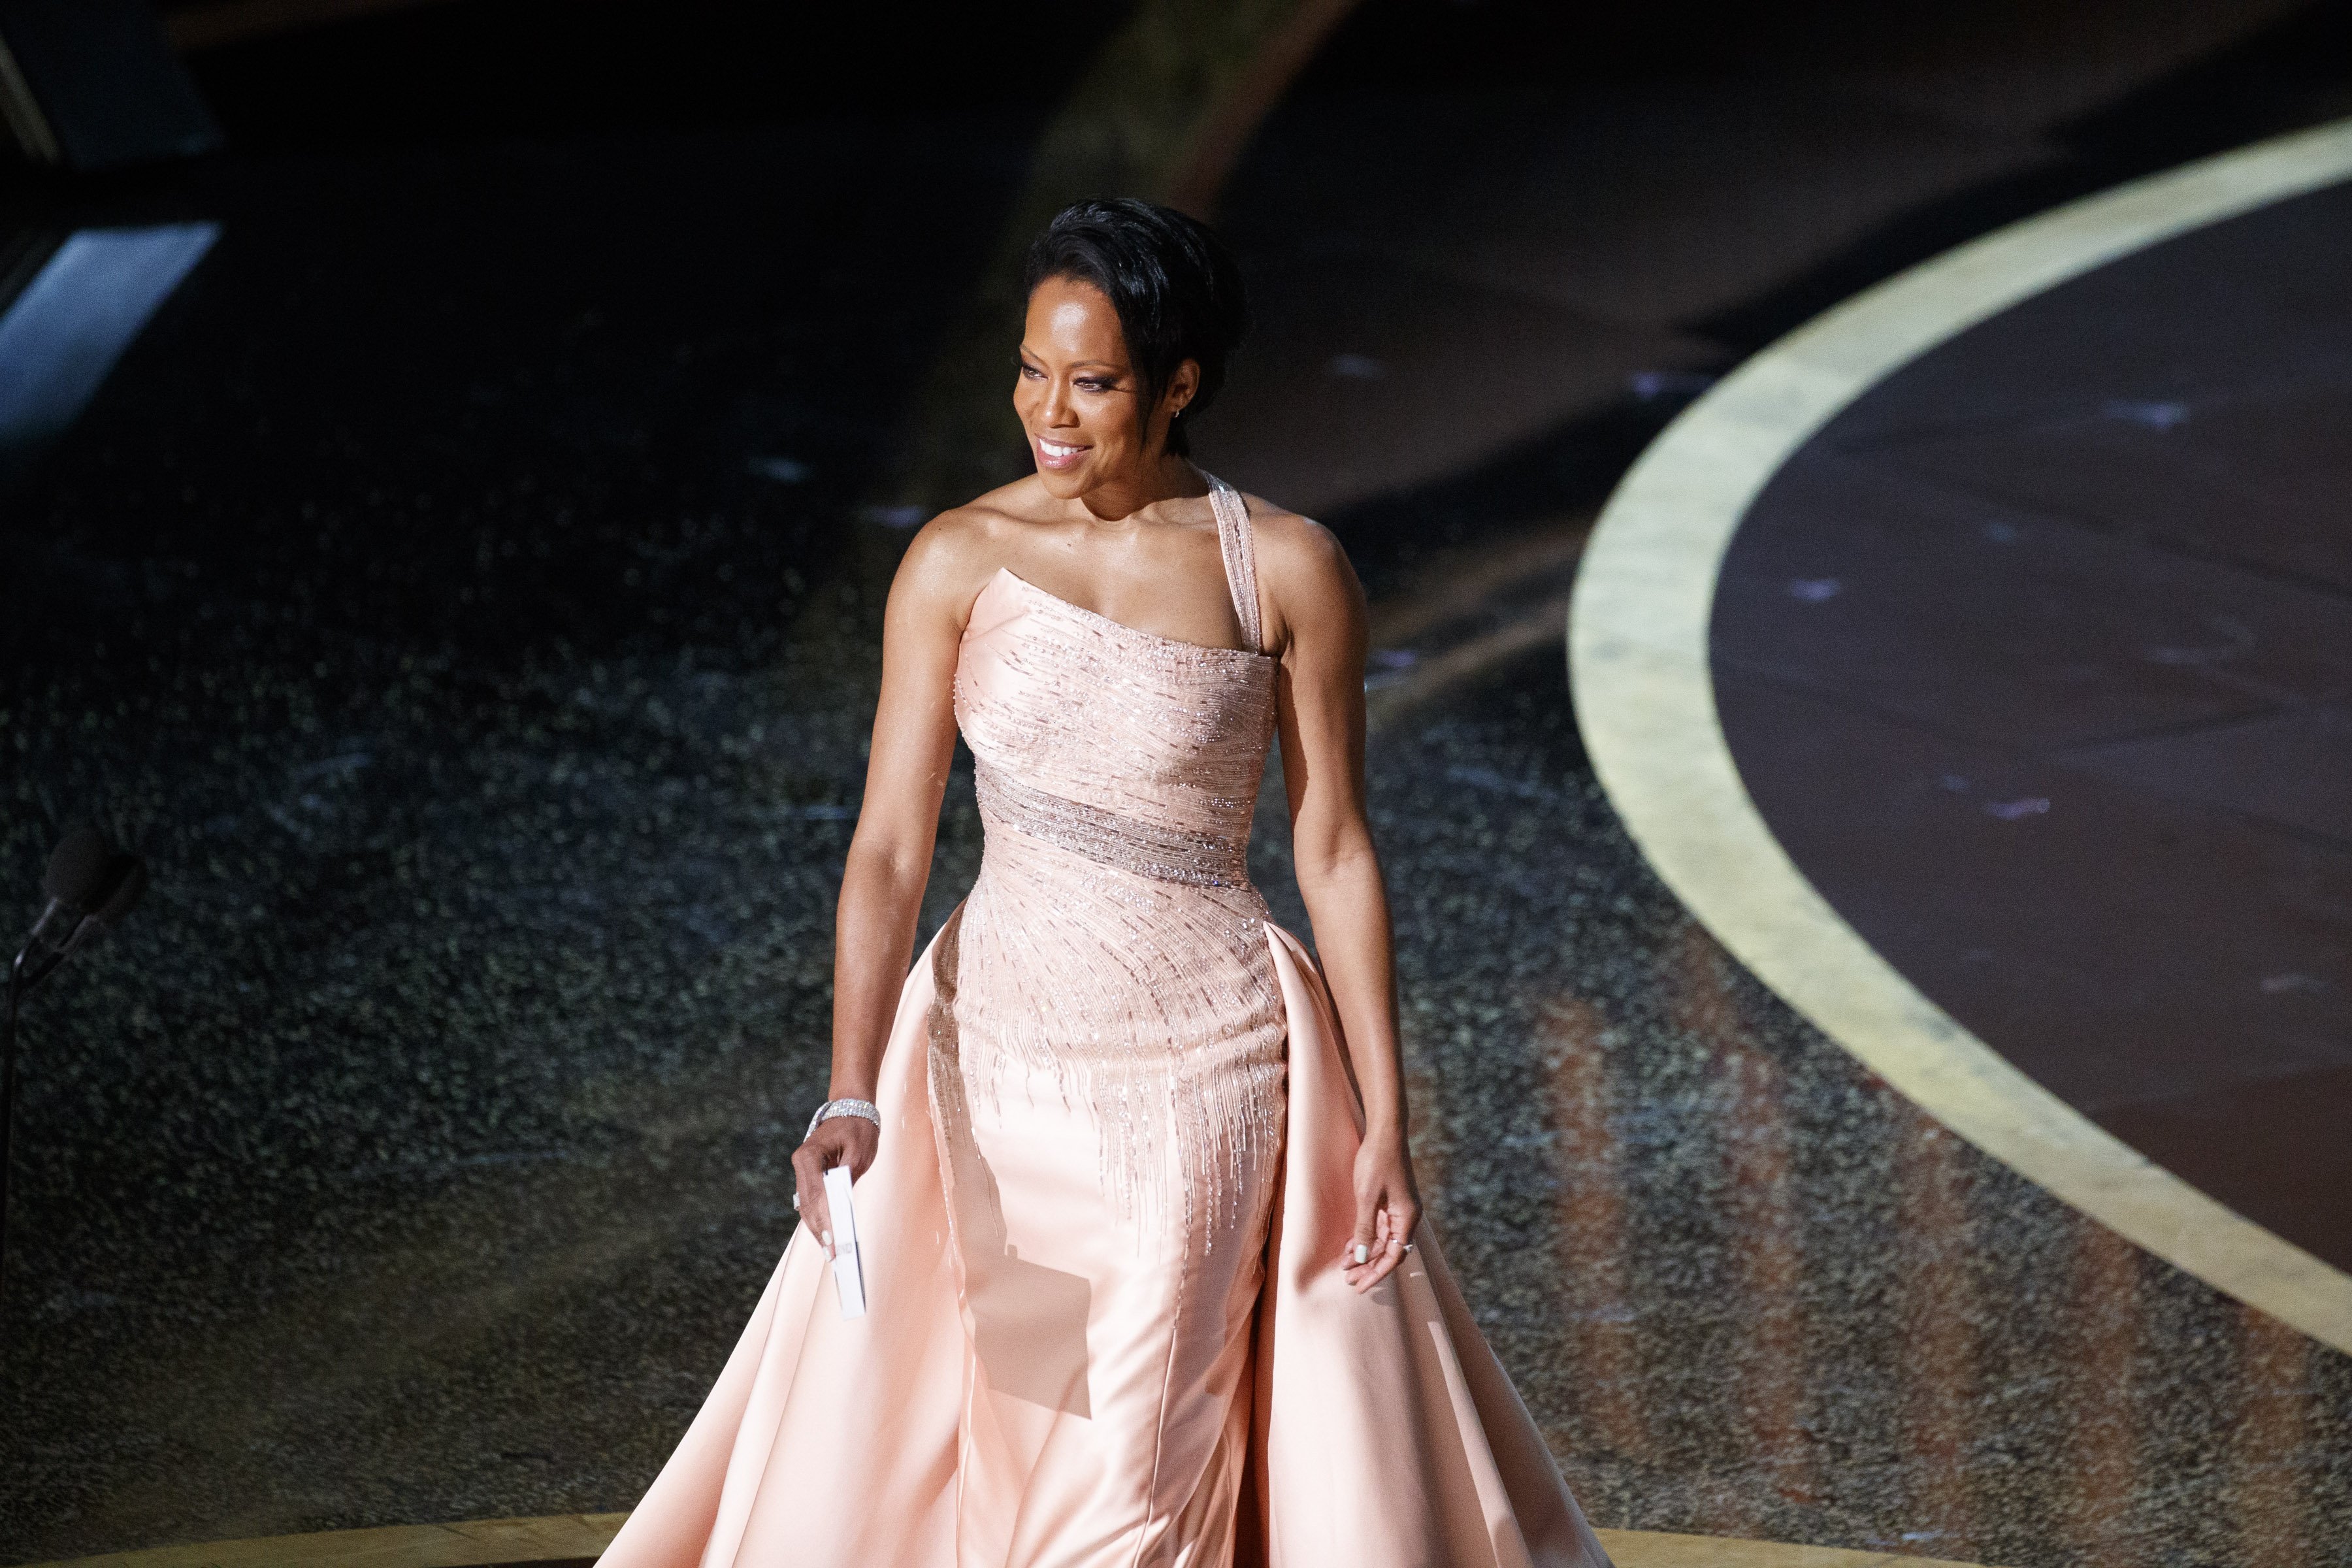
[(1056, 449)]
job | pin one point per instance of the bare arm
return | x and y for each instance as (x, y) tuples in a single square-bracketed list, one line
[(1319, 626), (890, 856)]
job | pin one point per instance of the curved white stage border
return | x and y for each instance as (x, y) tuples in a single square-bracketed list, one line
[(1644, 696)]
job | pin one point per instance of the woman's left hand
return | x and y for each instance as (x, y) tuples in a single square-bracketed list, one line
[(1388, 1206)]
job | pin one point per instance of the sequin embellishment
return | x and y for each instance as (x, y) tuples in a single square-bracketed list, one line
[(1112, 951), (1133, 843)]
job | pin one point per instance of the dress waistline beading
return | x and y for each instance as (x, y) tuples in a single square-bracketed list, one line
[(1151, 849)]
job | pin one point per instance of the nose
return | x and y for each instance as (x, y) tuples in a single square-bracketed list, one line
[(1058, 410)]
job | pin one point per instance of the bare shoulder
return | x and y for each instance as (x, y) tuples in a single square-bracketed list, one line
[(974, 530), (952, 556), (1292, 546), (1303, 572)]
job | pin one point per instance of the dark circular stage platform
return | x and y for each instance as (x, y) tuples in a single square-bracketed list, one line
[(2037, 661)]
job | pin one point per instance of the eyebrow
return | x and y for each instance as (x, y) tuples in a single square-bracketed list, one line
[(1113, 365)]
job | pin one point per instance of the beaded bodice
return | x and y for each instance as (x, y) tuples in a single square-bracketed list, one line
[(1121, 745), (1113, 937)]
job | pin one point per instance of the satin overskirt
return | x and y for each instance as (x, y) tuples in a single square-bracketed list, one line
[(1382, 1433)]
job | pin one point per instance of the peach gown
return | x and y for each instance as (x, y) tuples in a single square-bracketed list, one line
[(1102, 1235)]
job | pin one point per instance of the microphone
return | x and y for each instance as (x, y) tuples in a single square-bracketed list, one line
[(76, 879), (90, 888), (129, 875)]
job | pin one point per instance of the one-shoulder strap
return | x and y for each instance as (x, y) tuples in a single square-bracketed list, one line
[(1234, 537)]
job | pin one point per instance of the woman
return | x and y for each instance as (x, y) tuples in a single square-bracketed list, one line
[(1137, 1231)]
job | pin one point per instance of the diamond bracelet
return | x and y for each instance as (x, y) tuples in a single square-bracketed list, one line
[(833, 1108)]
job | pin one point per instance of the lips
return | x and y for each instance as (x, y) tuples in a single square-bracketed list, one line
[(1057, 454)]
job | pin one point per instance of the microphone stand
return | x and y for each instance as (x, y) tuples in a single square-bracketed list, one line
[(24, 973), (8, 1109), (92, 886)]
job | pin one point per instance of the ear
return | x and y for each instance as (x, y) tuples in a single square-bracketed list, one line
[(1183, 387)]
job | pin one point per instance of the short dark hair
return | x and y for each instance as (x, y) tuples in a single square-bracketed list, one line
[(1177, 292)]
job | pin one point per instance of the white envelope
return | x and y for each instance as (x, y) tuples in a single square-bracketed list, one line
[(848, 1272)]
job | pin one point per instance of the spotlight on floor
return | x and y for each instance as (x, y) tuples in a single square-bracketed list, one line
[(68, 310)]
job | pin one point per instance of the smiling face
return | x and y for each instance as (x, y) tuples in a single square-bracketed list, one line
[(1079, 397)]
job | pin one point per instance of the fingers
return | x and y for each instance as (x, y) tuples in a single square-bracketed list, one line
[(810, 1190), (1396, 1232), (1364, 1245), (1388, 1239), (1383, 1264), (810, 1164), (1383, 1233), (850, 1140)]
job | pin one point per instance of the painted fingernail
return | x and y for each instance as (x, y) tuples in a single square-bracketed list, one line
[(1363, 1253)]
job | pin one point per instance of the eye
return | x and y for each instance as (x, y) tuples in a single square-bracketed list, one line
[(1031, 371), (1093, 383)]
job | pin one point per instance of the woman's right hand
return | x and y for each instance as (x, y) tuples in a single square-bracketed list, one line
[(848, 1141)]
